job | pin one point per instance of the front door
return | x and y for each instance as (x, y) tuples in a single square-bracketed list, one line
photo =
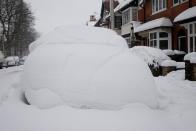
[(182, 43)]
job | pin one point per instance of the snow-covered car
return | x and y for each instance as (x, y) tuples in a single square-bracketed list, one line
[(11, 61)]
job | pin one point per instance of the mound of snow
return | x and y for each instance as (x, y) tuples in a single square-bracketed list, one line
[(168, 63), (87, 75), (152, 56)]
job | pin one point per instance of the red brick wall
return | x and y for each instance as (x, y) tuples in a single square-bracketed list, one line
[(171, 12)]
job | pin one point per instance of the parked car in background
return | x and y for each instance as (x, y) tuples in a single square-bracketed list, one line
[(11, 61)]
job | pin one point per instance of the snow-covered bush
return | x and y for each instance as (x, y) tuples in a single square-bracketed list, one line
[(189, 56), (90, 69), (152, 56)]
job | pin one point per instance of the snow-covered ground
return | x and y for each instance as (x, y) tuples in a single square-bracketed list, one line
[(176, 111)]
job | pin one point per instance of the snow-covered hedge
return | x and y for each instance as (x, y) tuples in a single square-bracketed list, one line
[(90, 69), (173, 52), (152, 56), (168, 63)]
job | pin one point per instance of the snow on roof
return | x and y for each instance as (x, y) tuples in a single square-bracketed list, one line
[(161, 22), (122, 4), (187, 14)]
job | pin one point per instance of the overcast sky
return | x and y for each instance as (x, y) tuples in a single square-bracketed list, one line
[(52, 13)]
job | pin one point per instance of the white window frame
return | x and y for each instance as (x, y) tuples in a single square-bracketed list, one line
[(192, 35), (179, 2), (159, 10), (158, 39), (124, 22)]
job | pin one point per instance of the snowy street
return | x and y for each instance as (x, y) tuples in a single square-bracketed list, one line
[(176, 111)]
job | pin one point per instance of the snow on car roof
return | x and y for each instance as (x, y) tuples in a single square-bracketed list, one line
[(187, 14), (161, 22)]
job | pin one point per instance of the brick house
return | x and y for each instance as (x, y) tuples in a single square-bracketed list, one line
[(165, 26), (125, 12)]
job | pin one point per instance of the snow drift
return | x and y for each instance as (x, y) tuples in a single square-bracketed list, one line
[(86, 67)]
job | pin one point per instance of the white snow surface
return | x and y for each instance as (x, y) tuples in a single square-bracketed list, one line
[(176, 109), (168, 52), (99, 74), (150, 55), (80, 35), (193, 60), (173, 52), (187, 14), (180, 65), (168, 63), (178, 52), (161, 22), (189, 56)]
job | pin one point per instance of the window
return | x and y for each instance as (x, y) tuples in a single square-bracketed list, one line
[(126, 17), (153, 39), (192, 37), (118, 22), (158, 5), (177, 2), (159, 40)]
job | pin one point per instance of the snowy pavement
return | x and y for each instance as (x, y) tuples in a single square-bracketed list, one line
[(176, 111)]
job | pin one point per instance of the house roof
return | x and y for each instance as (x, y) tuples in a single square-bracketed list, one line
[(187, 14), (161, 22), (122, 4)]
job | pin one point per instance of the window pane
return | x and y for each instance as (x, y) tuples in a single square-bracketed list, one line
[(157, 5), (153, 6), (175, 1), (151, 36), (195, 28), (160, 4), (191, 44), (151, 43), (155, 35), (163, 34), (163, 44), (191, 28), (164, 3), (195, 44), (155, 43)]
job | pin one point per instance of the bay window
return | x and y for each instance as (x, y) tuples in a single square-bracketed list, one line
[(160, 40)]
